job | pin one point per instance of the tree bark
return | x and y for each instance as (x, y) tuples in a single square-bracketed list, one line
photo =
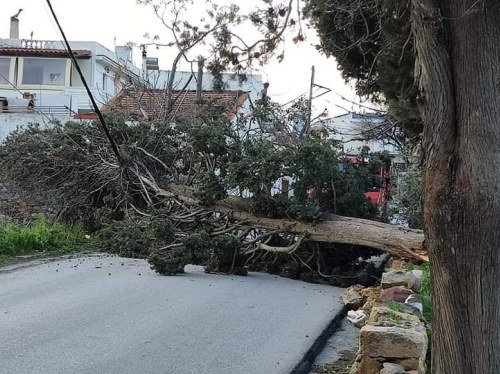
[(397, 241), (457, 45)]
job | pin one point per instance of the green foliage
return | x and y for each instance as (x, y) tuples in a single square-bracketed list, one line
[(408, 201), (373, 45), (124, 238), (225, 257), (426, 292), (73, 166), (135, 238), (218, 254), (198, 246), (40, 237), (169, 262), (211, 189)]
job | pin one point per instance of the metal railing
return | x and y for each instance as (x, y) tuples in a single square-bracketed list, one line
[(53, 110)]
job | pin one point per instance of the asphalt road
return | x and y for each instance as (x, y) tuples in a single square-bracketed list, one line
[(99, 314)]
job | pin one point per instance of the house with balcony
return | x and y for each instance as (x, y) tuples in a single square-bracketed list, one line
[(39, 82)]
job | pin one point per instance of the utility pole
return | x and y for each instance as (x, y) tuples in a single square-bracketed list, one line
[(309, 112)]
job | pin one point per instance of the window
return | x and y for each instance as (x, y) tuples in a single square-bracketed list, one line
[(4, 70), (44, 72)]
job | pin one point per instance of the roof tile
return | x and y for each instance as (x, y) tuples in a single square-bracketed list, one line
[(148, 104), (42, 52)]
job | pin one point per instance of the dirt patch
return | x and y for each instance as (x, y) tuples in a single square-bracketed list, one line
[(341, 366)]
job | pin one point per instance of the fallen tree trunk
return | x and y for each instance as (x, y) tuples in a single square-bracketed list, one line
[(395, 240), (400, 242)]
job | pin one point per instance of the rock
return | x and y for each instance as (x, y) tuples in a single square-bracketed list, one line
[(368, 365), (408, 363), (404, 278), (390, 368), (352, 297), (392, 342), (415, 301), (384, 316), (371, 293), (418, 275), (369, 305), (405, 308), (397, 293), (357, 317)]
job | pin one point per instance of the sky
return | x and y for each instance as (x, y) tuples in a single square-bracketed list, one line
[(117, 22)]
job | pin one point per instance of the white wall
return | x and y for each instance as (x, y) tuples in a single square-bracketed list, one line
[(11, 121), (254, 85)]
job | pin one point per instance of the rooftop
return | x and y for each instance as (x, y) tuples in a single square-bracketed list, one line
[(43, 52), (38, 48), (150, 105)]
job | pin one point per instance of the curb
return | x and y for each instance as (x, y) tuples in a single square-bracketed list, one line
[(305, 364)]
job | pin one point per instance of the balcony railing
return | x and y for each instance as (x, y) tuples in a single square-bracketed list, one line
[(50, 110), (41, 44)]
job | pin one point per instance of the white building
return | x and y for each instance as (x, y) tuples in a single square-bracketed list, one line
[(353, 131), (189, 80), (39, 83)]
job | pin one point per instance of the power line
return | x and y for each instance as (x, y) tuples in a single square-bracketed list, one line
[(84, 81)]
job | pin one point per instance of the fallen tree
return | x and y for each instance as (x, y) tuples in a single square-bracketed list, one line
[(395, 240), (184, 174)]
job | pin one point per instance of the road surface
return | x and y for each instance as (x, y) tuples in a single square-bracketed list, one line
[(101, 314)]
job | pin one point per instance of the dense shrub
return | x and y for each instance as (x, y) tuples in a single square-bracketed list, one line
[(169, 262), (41, 236), (225, 257), (135, 238), (218, 254)]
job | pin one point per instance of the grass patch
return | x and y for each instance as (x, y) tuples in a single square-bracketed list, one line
[(39, 238)]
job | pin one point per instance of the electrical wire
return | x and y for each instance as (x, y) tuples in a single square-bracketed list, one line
[(87, 88)]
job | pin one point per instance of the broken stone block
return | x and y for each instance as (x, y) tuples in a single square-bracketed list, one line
[(405, 308), (397, 293), (369, 365), (392, 342), (409, 363), (357, 317), (404, 278), (369, 305), (390, 368), (371, 293), (352, 297), (385, 316)]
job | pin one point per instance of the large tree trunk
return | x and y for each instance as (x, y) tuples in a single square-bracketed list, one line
[(458, 69), (397, 241)]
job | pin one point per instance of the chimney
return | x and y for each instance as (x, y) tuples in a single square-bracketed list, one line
[(14, 25), (199, 84), (144, 69), (264, 91)]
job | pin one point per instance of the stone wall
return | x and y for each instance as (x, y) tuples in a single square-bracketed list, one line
[(16, 205), (393, 337)]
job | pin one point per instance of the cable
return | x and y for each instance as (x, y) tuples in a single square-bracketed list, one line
[(84, 81)]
